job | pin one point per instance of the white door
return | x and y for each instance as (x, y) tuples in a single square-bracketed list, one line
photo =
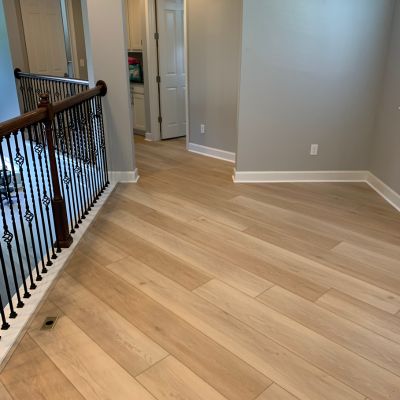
[(172, 68), (44, 36)]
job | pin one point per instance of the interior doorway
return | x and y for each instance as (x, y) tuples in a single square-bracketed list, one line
[(53, 33), (170, 37), (157, 48)]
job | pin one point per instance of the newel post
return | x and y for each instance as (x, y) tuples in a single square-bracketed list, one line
[(63, 235)]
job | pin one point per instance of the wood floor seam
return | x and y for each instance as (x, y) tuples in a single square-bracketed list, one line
[(189, 286)]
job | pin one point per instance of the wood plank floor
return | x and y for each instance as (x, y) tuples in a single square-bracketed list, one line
[(189, 287)]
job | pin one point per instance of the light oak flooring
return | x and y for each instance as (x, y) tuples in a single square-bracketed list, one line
[(189, 287)]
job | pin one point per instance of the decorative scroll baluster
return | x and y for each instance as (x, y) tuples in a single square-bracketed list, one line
[(21, 224), (58, 204), (55, 155), (13, 314), (80, 167), (99, 112), (28, 216), (36, 153), (34, 215), (7, 181), (60, 136), (69, 129), (86, 154), (4, 324), (95, 130), (32, 85), (8, 236)]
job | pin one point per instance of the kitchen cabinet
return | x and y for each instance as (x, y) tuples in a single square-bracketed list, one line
[(135, 16), (138, 107)]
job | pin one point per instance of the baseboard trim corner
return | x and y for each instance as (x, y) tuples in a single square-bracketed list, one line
[(384, 190), (298, 176), (212, 152), (124, 176)]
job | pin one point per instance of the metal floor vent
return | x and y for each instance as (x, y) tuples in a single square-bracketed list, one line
[(49, 323)]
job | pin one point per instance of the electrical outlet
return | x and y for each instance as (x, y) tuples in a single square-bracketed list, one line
[(202, 128), (314, 149)]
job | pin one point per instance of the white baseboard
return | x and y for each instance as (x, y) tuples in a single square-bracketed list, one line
[(124, 176), (384, 190), (212, 152), (11, 337), (380, 187), (149, 137), (299, 176)]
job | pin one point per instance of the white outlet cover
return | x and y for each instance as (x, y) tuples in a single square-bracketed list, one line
[(202, 128), (314, 149)]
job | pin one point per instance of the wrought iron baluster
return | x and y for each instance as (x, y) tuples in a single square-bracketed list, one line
[(99, 111), (21, 221), (85, 158), (93, 149), (86, 142), (95, 129), (73, 129), (79, 156), (28, 216), (32, 191), (102, 167), (64, 177), (51, 225), (9, 236), (70, 129), (13, 314), (4, 325), (38, 149)]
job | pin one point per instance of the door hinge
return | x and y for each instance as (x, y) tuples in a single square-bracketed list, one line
[(157, 36), (158, 79), (160, 119)]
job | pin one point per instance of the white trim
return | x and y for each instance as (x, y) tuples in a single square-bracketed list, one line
[(72, 37), (149, 137), (374, 182), (11, 337), (212, 152), (124, 176), (151, 68), (186, 55), (299, 176), (384, 190)]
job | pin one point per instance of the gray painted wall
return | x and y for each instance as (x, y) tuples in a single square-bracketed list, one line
[(214, 32), (385, 162), (9, 106), (311, 73)]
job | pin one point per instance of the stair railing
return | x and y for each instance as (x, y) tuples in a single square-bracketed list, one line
[(30, 86), (53, 169)]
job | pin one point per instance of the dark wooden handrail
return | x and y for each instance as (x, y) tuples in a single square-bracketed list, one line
[(42, 114), (14, 124), (19, 74), (99, 90)]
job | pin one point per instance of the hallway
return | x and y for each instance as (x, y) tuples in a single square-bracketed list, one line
[(188, 286)]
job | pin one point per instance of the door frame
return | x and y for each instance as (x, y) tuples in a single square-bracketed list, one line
[(152, 71), (72, 38)]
